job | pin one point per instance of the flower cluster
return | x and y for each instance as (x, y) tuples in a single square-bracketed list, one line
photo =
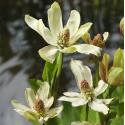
[(64, 39)]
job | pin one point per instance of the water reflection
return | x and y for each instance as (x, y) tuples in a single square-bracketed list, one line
[(19, 44)]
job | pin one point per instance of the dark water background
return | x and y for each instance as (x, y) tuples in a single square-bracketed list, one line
[(19, 45)]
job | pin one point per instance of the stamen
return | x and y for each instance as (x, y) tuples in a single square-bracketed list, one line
[(64, 37), (98, 39), (86, 90), (84, 85), (39, 105)]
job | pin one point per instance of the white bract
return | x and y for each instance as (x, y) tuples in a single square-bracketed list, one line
[(61, 38), (39, 105), (88, 95)]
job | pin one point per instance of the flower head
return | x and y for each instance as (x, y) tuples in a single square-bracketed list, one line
[(88, 94), (61, 38), (99, 40), (39, 105)]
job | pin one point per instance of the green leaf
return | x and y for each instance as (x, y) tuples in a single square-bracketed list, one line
[(117, 121), (51, 72), (35, 84), (93, 117)]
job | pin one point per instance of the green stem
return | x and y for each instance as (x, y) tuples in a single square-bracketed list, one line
[(55, 81), (97, 70), (87, 113), (44, 123), (96, 83)]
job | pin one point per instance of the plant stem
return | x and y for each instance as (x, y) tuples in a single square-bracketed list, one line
[(96, 83), (55, 85), (97, 70), (87, 112)]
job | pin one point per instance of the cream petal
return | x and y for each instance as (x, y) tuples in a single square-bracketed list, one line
[(68, 99), (40, 28), (79, 102), (70, 49), (54, 112), (19, 106), (88, 49), (55, 19), (105, 36), (48, 53), (30, 96), (102, 86), (72, 94), (99, 107), (73, 22), (29, 115), (81, 72), (49, 102), (43, 91), (82, 30), (104, 101)]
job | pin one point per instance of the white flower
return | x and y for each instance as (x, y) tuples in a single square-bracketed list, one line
[(61, 38), (87, 93), (39, 105)]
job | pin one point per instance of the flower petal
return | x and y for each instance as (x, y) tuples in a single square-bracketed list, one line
[(82, 30), (30, 96), (99, 107), (55, 19), (19, 106), (105, 36), (71, 94), (68, 99), (43, 91), (29, 115), (48, 53), (104, 101), (88, 49), (102, 86), (49, 102), (40, 28), (81, 72), (70, 49), (79, 102), (54, 112), (73, 22)]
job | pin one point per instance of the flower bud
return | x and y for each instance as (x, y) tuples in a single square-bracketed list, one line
[(97, 40), (122, 26)]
